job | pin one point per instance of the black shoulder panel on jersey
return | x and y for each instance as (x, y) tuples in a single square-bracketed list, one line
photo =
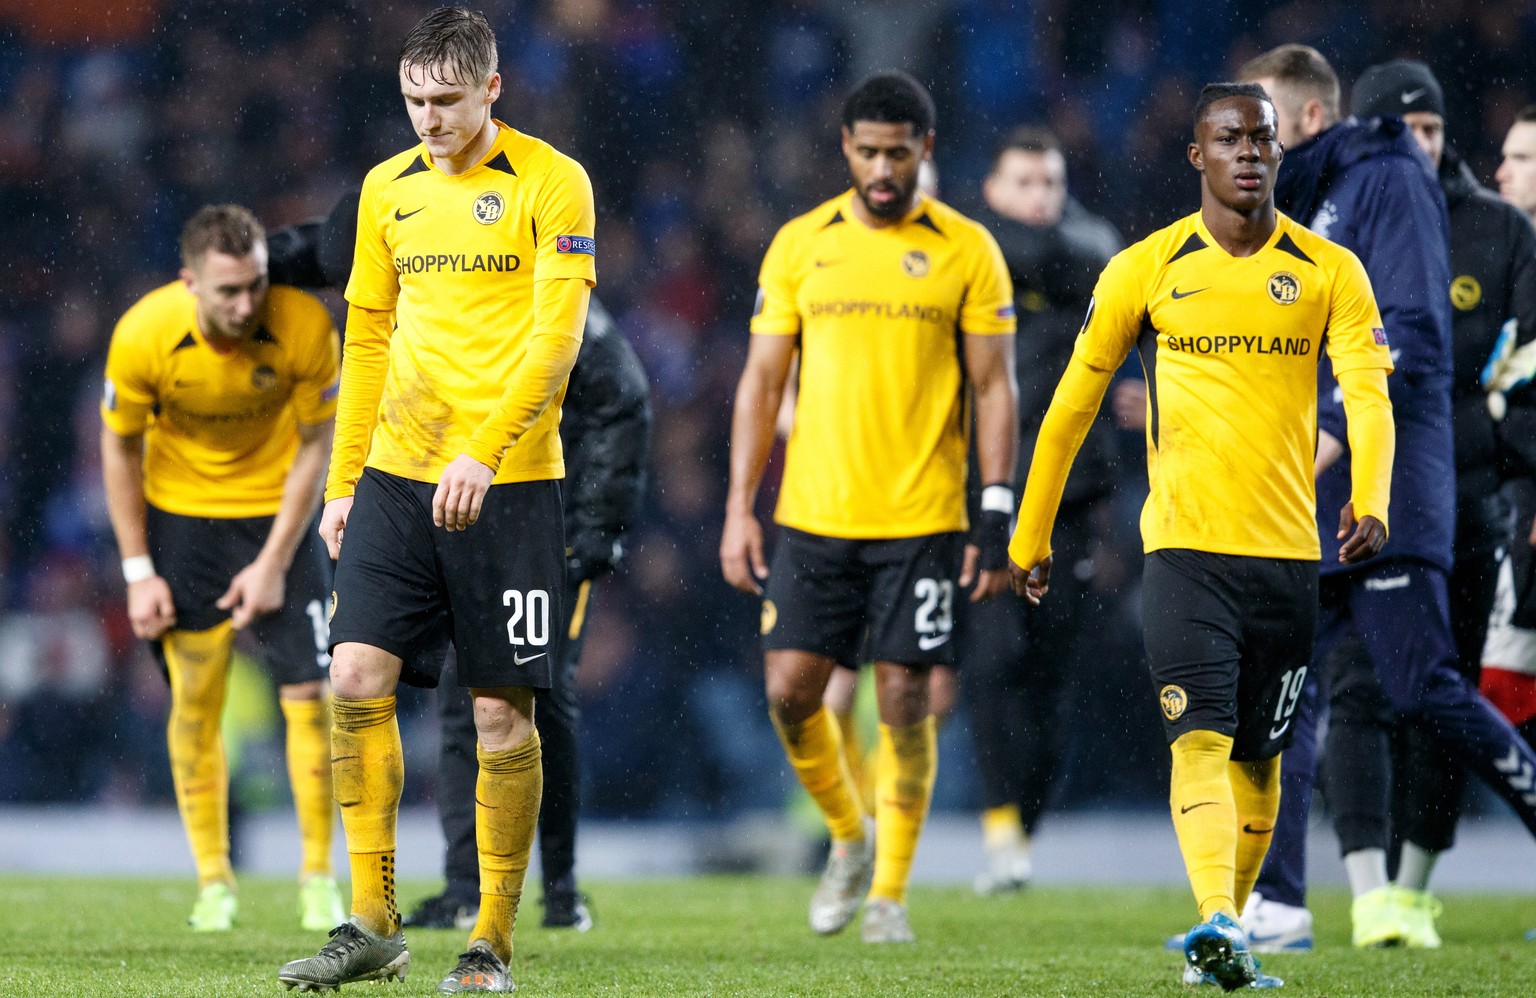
[(927, 222), (186, 341), (418, 165), (1287, 244), (1193, 243), (499, 162), (836, 218)]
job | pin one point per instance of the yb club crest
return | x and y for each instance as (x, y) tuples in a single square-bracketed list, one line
[(1174, 702), (1284, 288), (489, 207), (915, 263)]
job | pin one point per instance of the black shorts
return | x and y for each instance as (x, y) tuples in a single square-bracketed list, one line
[(198, 556), (497, 590), (1229, 640), (825, 594)]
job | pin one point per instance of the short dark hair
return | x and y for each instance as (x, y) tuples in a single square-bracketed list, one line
[(1027, 138), (222, 228), (894, 98), (452, 42), (1299, 66), (1527, 114), (1213, 92)]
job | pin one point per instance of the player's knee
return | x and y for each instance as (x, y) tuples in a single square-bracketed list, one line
[(362, 672)]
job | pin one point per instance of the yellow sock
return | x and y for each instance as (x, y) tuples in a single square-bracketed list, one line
[(367, 770), (909, 760), (1205, 818), (1001, 827), (1256, 792), (198, 665), (853, 752), (815, 750), (309, 776), (507, 795)]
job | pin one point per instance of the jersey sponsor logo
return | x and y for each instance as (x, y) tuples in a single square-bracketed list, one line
[(489, 207), (109, 394), (585, 245), (457, 263), (1284, 288), (1380, 336), (1177, 294), (1285, 346), (1387, 585), (1174, 702), (915, 263), (882, 310), (401, 216), (769, 618), (1466, 293), (264, 378)]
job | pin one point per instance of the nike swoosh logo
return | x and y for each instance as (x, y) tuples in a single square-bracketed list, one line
[(1409, 96), (400, 217), (828, 263), (930, 642), (1277, 732), (1256, 831), (1177, 294), (520, 660), (1190, 807), (179, 383)]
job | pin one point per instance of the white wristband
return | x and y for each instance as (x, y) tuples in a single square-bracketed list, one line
[(997, 499), (138, 568)]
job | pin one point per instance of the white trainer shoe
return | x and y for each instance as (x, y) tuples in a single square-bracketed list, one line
[(850, 868), (1273, 927)]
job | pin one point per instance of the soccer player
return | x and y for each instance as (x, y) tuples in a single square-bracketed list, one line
[(1493, 260), (605, 433), (1367, 186), (217, 417), (1018, 657), (902, 314), (473, 264), (1230, 310)]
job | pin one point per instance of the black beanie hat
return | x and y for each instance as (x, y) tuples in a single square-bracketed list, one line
[(1398, 87)]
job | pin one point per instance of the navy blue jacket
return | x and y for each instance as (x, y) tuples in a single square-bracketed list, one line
[(1367, 186)]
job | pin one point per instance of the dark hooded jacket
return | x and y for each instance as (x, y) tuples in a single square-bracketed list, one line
[(1367, 186)]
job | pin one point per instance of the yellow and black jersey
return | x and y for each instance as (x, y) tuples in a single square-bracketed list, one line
[(455, 258), (882, 423), (219, 427), (1230, 347)]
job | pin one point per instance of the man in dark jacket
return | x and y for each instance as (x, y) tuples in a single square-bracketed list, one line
[(1367, 186), (1054, 248), (1493, 260), (605, 433)]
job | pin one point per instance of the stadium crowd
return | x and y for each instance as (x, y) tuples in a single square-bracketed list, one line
[(702, 126)]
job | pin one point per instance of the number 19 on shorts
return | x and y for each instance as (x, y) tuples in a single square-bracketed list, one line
[(529, 622)]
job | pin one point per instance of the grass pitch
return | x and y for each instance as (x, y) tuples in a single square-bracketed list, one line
[(736, 936)]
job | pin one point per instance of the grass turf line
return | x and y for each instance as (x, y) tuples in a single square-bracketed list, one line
[(722, 936)]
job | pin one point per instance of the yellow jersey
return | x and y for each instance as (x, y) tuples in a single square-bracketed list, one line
[(882, 416), (1230, 347), (220, 428), (456, 259)]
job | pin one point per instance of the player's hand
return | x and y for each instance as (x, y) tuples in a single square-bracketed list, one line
[(256, 589), (333, 523), (460, 493), (1366, 537), (989, 582), (151, 611), (741, 553), (1032, 584)]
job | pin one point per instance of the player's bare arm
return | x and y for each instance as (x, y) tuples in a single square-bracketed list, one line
[(758, 397), (151, 611), (259, 587), (989, 366)]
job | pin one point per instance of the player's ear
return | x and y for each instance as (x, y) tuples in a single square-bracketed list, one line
[(188, 278), (1196, 160), (493, 88)]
